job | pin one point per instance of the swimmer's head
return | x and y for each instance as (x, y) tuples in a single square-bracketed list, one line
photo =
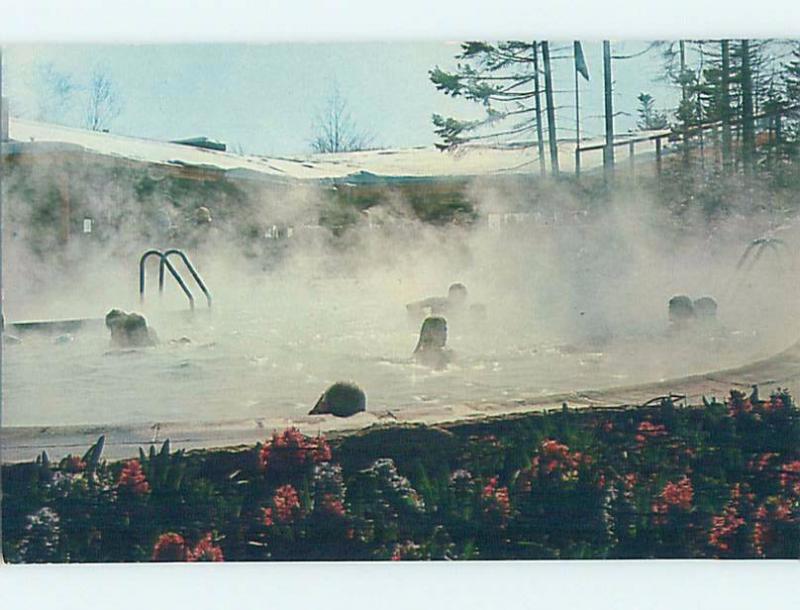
[(202, 215), (457, 294), (705, 308), (342, 399), (433, 334), (129, 329), (681, 309), (114, 316)]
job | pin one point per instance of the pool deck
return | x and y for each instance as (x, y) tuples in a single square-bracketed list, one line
[(20, 444)]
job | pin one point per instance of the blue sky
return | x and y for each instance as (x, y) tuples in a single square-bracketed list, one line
[(264, 98)]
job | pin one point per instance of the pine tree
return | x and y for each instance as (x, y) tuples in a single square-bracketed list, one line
[(649, 117), (790, 85), (500, 77)]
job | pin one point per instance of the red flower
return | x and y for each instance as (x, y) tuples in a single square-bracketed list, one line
[(496, 501), (291, 449), (738, 404), (170, 547), (285, 507), (725, 526), (678, 494), (790, 477), (629, 481), (74, 464), (205, 550), (132, 478), (776, 403), (556, 461), (769, 517), (761, 461), (333, 506), (648, 430), (406, 550), (674, 496), (286, 503)]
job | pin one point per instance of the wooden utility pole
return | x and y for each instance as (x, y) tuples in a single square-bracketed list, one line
[(3, 137), (537, 94), (725, 110), (577, 125), (551, 111), (2, 292), (608, 151)]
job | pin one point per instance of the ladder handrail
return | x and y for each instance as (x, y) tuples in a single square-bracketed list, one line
[(189, 266), (752, 254), (162, 264)]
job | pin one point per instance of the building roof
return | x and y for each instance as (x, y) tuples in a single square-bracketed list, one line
[(355, 167)]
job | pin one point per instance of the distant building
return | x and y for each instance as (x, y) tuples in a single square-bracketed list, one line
[(202, 142)]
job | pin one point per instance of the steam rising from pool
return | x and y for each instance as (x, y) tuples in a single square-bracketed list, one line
[(574, 300)]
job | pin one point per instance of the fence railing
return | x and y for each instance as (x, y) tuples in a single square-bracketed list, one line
[(695, 132)]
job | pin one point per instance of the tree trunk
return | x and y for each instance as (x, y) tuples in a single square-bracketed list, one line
[(537, 96), (684, 104), (748, 123), (551, 110), (608, 151), (725, 108)]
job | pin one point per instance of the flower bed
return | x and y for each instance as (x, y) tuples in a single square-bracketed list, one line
[(717, 480)]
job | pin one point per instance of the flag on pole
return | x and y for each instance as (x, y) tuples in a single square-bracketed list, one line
[(580, 61)]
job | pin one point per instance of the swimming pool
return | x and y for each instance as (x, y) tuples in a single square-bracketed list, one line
[(273, 354)]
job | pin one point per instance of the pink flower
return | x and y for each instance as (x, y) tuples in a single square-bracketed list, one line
[(291, 449), (648, 430), (774, 512), (74, 464), (170, 547), (678, 494), (674, 496), (776, 403), (790, 477), (285, 507), (739, 403), (406, 550), (205, 550), (629, 481), (333, 506), (496, 501), (556, 461), (725, 526), (761, 461), (132, 478)]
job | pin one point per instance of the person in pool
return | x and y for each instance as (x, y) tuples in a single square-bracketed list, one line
[(705, 310), (129, 330), (681, 313), (454, 303), (432, 348)]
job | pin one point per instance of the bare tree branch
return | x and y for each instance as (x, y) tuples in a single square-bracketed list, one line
[(334, 129), (103, 105)]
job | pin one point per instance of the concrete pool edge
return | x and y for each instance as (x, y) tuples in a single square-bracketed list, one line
[(23, 443)]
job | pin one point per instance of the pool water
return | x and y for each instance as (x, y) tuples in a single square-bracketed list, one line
[(275, 353)]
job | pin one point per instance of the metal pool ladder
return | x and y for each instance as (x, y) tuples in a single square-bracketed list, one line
[(164, 263)]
